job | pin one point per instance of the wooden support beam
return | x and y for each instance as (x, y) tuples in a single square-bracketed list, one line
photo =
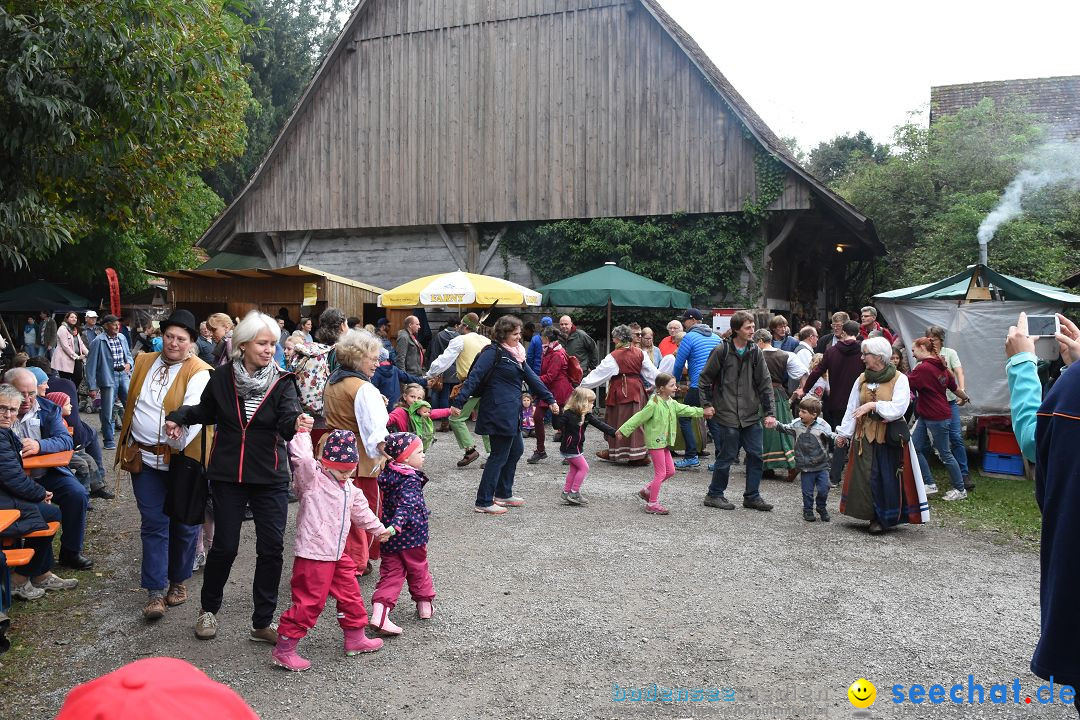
[(267, 251), (452, 248), (493, 248), (472, 249), (789, 224), (303, 247)]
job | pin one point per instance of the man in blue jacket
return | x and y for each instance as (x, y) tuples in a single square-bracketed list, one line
[(40, 428), (694, 350), (535, 352), (108, 370)]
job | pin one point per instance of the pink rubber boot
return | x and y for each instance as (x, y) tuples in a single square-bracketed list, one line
[(425, 610), (285, 655), (357, 642), (380, 620)]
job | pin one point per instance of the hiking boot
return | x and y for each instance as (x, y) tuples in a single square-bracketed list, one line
[(955, 494), (756, 503), (74, 560), (425, 610), (687, 463), (268, 634), (510, 502), (206, 626), (808, 515), (284, 655), (381, 622), (102, 492), (655, 509), (357, 642), (155, 608), (824, 514), (27, 591), (470, 456), (536, 457), (718, 501), (931, 489), (177, 594), (55, 582)]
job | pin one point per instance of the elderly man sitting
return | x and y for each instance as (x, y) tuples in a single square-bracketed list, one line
[(18, 492), (41, 430)]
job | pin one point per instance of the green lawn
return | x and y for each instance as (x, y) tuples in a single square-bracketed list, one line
[(999, 505)]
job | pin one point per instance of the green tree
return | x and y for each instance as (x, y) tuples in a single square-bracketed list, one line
[(106, 110), (834, 159)]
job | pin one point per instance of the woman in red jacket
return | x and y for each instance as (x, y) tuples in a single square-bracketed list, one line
[(554, 375), (929, 380)]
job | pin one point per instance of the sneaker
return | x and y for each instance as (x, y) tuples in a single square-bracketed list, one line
[(808, 515), (955, 494), (718, 501), (27, 591), (206, 626), (55, 582), (200, 561), (155, 608), (575, 498), (510, 502), (655, 509), (177, 594), (756, 503), (267, 634), (566, 498), (470, 455), (931, 489), (491, 510), (712, 467), (109, 446), (536, 457), (824, 514), (687, 463)]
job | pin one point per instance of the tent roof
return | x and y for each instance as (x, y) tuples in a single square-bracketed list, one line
[(624, 288), (234, 261), (41, 295), (956, 286)]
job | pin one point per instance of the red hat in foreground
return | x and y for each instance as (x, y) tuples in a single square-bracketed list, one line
[(153, 689)]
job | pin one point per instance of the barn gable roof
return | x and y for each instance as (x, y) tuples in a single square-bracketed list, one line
[(217, 236), (1055, 100)]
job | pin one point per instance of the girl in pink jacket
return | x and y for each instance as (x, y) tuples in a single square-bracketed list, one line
[(329, 505)]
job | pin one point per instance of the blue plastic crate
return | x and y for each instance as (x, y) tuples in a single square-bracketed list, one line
[(1003, 464)]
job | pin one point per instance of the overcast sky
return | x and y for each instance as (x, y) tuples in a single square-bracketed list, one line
[(814, 70)]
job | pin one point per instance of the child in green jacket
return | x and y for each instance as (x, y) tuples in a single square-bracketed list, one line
[(660, 418)]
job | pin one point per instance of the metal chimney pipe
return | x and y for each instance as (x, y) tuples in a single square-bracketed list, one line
[(983, 254)]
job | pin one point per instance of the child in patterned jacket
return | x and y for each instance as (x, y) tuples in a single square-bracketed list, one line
[(404, 556)]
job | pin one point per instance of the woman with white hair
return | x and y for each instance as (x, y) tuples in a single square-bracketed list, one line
[(882, 483), (628, 371), (255, 409)]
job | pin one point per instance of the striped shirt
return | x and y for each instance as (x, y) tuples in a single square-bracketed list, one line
[(250, 405)]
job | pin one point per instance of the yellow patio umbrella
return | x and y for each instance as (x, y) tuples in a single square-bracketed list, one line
[(459, 289)]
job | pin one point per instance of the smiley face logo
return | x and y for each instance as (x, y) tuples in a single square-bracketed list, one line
[(862, 693)]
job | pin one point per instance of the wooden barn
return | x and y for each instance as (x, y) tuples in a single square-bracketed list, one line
[(432, 126)]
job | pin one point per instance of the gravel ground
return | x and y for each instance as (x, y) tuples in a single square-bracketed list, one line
[(544, 612)]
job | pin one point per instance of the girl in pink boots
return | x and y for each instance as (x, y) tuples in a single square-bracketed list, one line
[(329, 505), (404, 555)]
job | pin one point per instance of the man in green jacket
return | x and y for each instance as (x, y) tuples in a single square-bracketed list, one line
[(736, 392), (579, 344)]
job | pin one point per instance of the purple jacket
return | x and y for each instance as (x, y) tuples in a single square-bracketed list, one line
[(403, 507)]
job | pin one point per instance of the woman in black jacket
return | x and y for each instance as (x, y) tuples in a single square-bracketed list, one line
[(255, 408)]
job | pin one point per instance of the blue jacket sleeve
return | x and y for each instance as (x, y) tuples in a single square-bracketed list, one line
[(92, 365), (682, 355), (539, 388), (54, 434), (127, 352), (12, 477), (404, 378), (1025, 397), (535, 353), (483, 362)]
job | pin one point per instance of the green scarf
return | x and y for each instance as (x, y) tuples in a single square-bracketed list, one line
[(422, 426), (884, 375)]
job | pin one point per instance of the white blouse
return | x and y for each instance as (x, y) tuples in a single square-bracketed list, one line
[(371, 418), (608, 369), (889, 410)]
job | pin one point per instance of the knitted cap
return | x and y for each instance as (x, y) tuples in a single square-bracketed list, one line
[(39, 375), (339, 451), (155, 688), (401, 445), (545, 321), (59, 398), (384, 354)]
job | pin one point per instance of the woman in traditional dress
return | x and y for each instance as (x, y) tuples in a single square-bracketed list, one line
[(629, 371), (778, 449), (882, 482)]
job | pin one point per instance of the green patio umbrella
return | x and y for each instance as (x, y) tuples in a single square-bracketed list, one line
[(611, 286)]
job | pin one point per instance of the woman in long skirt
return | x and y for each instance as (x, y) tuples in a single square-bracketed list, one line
[(778, 449)]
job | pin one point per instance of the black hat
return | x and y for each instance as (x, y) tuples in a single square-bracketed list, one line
[(182, 318), (692, 313), (381, 321)]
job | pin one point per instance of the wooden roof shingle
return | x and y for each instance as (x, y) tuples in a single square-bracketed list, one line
[(1055, 100)]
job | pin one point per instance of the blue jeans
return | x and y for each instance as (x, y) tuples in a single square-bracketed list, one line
[(939, 430), (815, 479), (687, 424), (72, 498), (108, 398), (441, 398), (956, 439), (498, 478), (728, 440), (168, 547), (42, 561)]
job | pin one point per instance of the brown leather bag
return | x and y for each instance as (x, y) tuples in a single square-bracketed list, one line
[(131, 458)]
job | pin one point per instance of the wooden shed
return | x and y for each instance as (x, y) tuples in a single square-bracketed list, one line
[(432, 126), (300, 289)]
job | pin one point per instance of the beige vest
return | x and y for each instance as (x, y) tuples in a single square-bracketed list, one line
[(872, 428), (339, 411), (173, 399), (472, 345)]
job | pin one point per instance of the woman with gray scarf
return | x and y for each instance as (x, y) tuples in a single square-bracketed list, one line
[(255, 408)]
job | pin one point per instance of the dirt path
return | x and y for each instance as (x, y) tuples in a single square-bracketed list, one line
[(544, 612)]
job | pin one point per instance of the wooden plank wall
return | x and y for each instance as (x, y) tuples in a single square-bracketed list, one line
[(464, 111)]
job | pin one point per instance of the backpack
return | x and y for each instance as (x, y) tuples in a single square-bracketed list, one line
[(810, 450), (312, 372), (573, 369)]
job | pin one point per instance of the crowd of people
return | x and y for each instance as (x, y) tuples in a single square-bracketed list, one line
[(340, 417)]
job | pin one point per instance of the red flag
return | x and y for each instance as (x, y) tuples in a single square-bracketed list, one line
[(114, 291)]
